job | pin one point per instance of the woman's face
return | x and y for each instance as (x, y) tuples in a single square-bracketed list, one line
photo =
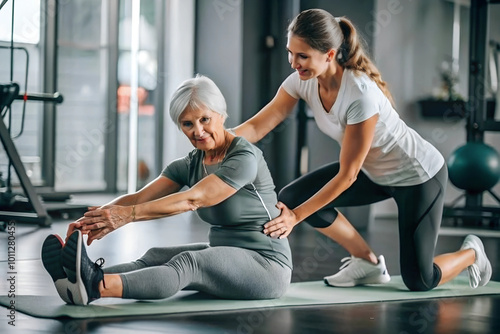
[(203, 127), (309, 62)]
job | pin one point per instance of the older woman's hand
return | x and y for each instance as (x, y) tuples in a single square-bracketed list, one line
[(97, 223), (74, 226), (281, 226)]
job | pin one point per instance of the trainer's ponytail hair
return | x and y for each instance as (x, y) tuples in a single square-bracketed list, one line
[(323, 32), (351, 55)]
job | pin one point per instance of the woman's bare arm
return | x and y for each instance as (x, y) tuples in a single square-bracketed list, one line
[(356, 144), (275, 112)]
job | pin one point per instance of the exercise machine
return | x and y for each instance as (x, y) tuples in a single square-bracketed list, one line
[(14, 206), (28, 206), (475, 153)]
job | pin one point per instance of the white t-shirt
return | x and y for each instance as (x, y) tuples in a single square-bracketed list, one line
[(398, 156)]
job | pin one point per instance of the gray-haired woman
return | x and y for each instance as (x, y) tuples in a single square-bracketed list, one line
[(230, 187)]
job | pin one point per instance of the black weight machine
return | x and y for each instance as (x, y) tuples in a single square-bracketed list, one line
[(14, 206), (27, 207), (474, 213)]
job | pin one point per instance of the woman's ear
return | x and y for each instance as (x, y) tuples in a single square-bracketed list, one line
[(330, 55)]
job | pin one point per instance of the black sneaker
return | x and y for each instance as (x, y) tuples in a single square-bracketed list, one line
[(52, 262), (84, 275)]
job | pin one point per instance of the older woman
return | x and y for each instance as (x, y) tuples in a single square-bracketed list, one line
[(229, 186)]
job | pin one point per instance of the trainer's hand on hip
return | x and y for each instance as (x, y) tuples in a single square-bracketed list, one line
[(98, 223), (281, 226)]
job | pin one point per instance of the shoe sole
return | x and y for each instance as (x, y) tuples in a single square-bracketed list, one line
[(51, 260), (72, 256), (51, 257), (489, 270), (364, 281)]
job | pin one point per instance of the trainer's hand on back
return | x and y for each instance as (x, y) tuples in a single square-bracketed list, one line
[(97, 223), (281, 226)]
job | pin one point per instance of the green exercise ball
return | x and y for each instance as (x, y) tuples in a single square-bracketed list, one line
[(474, 167)]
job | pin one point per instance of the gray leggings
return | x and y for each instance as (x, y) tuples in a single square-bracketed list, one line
[(225, 272), (420, 210)]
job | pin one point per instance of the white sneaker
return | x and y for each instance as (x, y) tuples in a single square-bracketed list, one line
[(480, 270), (356, 271)]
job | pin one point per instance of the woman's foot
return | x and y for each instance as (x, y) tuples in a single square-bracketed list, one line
[(356, 271), (480, 271), (52, 262), (84, 275)]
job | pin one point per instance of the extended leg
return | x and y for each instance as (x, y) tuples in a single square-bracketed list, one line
[(226, 272), (112, 284), (155, 256)]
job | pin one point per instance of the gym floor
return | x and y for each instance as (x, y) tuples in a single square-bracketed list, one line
[(446, 315)]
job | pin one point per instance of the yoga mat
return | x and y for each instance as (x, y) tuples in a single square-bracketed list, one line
[(299, 294)]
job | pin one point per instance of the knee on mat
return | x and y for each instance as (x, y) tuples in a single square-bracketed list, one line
[(414, 284), (421, 280)]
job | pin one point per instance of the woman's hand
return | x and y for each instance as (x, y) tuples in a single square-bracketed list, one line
[(281, 226), (98, 222), (76, 225)]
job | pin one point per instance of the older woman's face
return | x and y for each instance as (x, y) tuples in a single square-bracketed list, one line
[(203, 127)]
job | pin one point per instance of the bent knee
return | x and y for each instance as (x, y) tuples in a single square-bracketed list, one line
[(287, 196), (417, 286), (417, 281)]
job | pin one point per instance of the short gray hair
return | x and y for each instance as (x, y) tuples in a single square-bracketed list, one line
[(197, 92)]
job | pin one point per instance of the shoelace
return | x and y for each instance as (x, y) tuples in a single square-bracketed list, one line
[(347, 260), (99, 262), (474, 275), (98, 265)]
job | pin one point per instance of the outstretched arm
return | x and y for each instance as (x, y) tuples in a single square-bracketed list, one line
[(208, 192), (157, 188), (355, 146), (275, 112)]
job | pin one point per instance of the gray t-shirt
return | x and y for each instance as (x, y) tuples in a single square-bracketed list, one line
[(237, 221)]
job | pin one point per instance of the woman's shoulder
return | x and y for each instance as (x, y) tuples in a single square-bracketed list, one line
[(241, 145), (192, 156), (360, 86), (359, 80)]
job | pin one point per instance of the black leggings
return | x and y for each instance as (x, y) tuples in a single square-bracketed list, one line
[(420, 209)]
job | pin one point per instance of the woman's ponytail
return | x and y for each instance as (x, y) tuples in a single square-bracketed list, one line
[(351, 55)]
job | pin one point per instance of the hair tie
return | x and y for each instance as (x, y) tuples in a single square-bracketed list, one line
[(342, 54)]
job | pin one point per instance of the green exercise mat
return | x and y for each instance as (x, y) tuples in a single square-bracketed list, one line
[(299, 294)]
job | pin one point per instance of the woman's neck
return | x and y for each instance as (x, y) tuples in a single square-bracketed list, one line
[(331, 78), (217, 154)]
